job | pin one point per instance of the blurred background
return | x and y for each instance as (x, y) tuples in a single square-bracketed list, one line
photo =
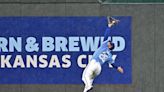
[(147, 39)]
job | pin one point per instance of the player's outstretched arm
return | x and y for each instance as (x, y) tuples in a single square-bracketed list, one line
[(112, 21), (119, 68)]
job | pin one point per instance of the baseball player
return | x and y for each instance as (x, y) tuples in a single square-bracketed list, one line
[(100, 56)]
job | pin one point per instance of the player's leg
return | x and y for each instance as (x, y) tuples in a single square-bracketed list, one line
[(85, 77), (88, 76), (88, 82), (96, 69)]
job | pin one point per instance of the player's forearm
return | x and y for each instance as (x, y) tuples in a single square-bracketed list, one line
[(114, 66), (107, 33), (120, 69)]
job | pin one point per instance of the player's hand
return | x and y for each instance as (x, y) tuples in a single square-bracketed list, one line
[(120, 69)]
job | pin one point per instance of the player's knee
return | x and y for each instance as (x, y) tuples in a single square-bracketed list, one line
[(83, 78)]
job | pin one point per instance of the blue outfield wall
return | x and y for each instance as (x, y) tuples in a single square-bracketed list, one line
[(55, 50)]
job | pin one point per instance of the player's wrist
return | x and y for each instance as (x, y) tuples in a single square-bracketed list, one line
[(114, 66)]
